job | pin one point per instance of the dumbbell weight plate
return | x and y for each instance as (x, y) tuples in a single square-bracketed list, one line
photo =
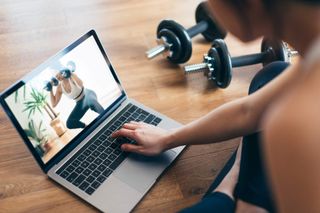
[(47, 86), (175, 49), (214, 31), (277, 48), (223, 70), (183, 37), (54, 81), (71, 66)]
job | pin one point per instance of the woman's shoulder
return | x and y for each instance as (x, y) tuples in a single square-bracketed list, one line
[(299, 108)]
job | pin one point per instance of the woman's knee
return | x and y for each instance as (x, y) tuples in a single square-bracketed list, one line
[(267, 74)]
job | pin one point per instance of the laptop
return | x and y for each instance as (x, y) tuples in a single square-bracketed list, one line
[(65, 111)]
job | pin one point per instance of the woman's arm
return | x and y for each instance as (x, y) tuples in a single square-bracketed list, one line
[(75, 78), (55, 98), (234, 119)]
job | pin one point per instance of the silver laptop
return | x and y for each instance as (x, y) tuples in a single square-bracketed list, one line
[(65, 111)]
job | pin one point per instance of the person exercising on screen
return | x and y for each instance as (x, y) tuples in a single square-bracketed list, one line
[(72, 87)]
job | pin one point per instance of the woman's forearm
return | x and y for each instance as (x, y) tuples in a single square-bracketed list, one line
[(52, 99), (228, 121)]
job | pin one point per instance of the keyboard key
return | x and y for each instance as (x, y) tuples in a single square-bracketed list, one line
[(135, 115), (143, 112), (107, 162), (72, 177), (87, 172), (132, 109), (98, 161), (96, 173), (149, 118), (84, 185), (79, 180), (87, 152), (113, 128), (112, 157), (131, 118), (118, 161), (126, 114), (90, 179), (70, 168), (96, 153), (79, 170), (92, 147), (101, 178), (107, 133), (142, 117), (102, 137), (85, 164), (108, 151), (107, 172), (81, 157), (65, 174), (157, 120), (114, 145), (122, 119), (103, 156), (90, 159), (95, 184), (101, 148), (93, 166), (75, 163), (98, 142), (118, 123), (101, 168), (90, 190), (117, 151), (106, 143)]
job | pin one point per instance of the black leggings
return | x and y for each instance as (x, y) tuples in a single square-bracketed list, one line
[(89, 101), (252, 185)]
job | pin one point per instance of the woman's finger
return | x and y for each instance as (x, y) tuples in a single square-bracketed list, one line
[(123, 133), (131, 148), (130, 126)]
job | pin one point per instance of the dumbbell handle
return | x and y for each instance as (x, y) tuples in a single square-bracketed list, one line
[(251, 59), (238, 61), (198, 28)]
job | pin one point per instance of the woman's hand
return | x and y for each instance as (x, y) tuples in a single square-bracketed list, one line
[(151, 140)]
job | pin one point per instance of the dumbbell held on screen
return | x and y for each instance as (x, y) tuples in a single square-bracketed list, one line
[(70, 67), (48, 85), (174, 41), (217, 64)]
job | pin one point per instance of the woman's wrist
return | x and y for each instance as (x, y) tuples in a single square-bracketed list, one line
[(170, 140)]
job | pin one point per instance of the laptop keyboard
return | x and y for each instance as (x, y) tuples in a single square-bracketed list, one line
[(98, 158)]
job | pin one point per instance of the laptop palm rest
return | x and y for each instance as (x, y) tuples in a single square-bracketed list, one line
[(140, 172)]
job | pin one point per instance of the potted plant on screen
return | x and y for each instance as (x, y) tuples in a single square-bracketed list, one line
[(38, 136), (38, 103)]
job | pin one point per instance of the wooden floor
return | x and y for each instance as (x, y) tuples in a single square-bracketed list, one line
[(33, 30)]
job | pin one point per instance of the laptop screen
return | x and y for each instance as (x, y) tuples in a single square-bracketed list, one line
[(59, 101)]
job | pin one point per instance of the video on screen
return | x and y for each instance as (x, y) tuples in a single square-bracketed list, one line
[(57, 104)]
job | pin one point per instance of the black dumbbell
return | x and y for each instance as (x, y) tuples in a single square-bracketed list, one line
[(217, 64), (49, 84), (175, 40), (70, 67)]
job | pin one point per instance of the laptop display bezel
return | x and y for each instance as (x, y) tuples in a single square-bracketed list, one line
[(81, 136)]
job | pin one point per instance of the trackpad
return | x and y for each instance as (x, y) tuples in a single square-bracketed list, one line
[(141, 172)]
